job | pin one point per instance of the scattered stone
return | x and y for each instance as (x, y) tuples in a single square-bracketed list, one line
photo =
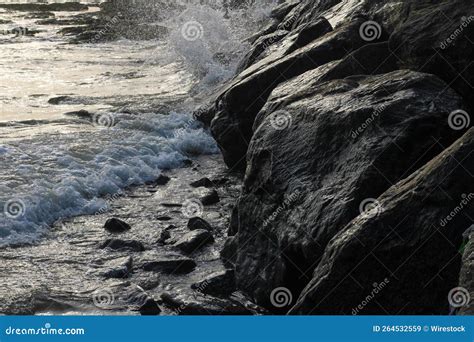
[(82, 114), (210, 198), (194, 240), (172, 205), (204, 182), (117, 244), (58, 100), (164, 218), (114, 225), (203, 305), (149, 308), (164, 236), (196, 223), (119, 268)]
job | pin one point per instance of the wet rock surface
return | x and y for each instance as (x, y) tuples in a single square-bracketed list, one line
[(197, 223), (409, 240), (195, 240), (350, 185), (293, 211), (210, 198), (118, 268), (204, 305), (115, 225), (203, 182), (218, 284), (170, 264)]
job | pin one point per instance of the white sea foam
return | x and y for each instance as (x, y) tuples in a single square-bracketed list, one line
[(66, 175)]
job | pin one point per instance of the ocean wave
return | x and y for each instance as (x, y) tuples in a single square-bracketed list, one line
[(66, 175)]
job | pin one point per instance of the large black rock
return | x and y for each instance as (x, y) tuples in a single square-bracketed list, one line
[(331, 148), (411, 243)]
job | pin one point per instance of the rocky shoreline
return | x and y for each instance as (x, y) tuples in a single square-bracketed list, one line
[(154, 250), (351, 120), (346, 189)]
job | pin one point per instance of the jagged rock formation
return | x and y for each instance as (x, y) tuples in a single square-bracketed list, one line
[(338, 103), (405, 240)]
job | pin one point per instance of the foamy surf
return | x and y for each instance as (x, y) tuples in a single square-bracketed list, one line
[(67, 175), (52, 170)]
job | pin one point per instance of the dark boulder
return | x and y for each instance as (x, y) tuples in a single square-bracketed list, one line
[(210, 198), (164, 218), (330, 149), (203, 305), (114, 225), (118, 268), (196, 223), (149, 308), (410, 244), (221, 284), (165, 235), (170, 264), (437, 37), (194, 240), (237, 107), (203, 182)]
